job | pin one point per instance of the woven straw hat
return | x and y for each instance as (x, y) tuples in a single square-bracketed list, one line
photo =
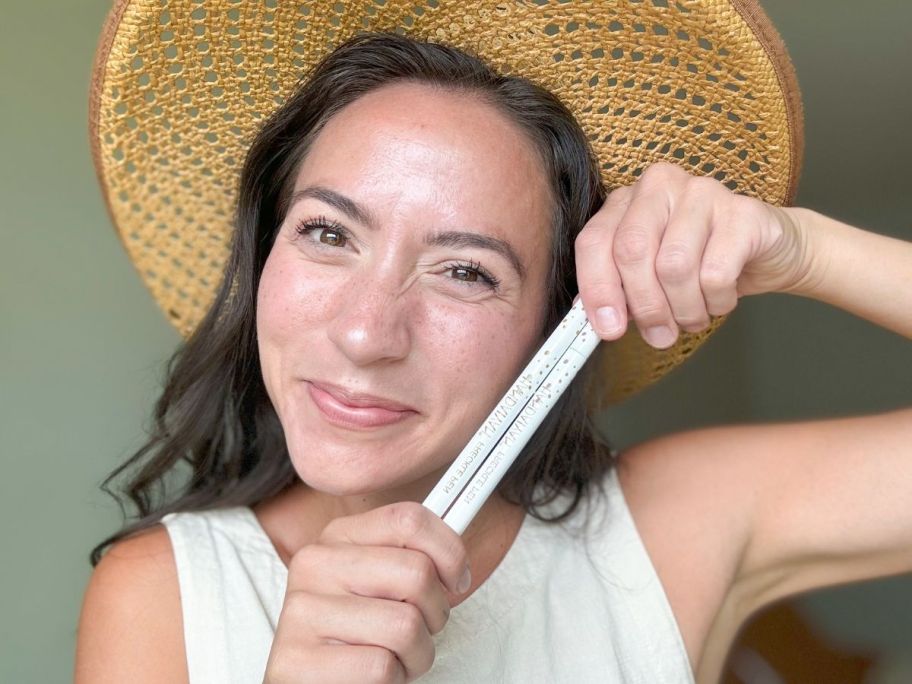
[(181, 86)]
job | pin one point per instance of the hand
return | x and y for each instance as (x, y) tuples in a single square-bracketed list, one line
[(674, 249), (363, 601)]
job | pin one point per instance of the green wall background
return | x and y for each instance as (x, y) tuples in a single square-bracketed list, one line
[(82, 345)]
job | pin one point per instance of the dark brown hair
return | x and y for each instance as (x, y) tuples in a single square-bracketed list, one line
[(215, 431)]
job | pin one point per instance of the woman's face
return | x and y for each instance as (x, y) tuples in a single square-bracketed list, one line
[(405, 289)]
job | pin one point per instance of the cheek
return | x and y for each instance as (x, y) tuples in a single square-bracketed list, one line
[(272, 305), (290, 306), (287, 301), (478, 350)]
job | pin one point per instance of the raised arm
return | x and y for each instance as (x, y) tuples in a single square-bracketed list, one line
[(864, 273), (745, 515)]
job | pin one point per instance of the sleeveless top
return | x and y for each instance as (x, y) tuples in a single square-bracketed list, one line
[(576, 601)]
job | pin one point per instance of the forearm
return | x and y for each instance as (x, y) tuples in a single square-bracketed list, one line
[(867, 274)]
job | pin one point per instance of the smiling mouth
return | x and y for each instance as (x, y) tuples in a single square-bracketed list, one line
[(356, 411)]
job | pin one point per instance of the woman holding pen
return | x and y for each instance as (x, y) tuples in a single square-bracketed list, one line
[(410, 226)]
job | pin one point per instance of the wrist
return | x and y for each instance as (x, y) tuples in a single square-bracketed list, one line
[(811, 249)]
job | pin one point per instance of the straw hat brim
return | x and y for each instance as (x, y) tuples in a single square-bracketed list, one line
[(180, 88)]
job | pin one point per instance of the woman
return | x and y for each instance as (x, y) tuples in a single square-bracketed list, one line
[(407, 251)]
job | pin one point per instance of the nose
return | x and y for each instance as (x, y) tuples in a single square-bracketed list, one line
[(370, 324)]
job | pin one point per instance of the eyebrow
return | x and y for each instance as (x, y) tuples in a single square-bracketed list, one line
[(347, 206), (450, 238), (455, 238)]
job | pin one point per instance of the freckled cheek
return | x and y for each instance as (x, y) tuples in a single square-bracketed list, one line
[(475, 349), (290, 302)]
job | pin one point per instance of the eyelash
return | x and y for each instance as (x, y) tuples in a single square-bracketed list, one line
[(322, 223), (477, 268)]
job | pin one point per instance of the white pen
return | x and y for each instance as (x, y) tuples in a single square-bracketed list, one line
[(480, 466)]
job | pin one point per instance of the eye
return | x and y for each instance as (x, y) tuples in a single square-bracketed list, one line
[(466, 274), (472, 272), (331, 237), (326, 232)]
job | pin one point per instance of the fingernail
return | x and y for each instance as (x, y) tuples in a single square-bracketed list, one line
[(464, 582), (659, 336), (607, 320)]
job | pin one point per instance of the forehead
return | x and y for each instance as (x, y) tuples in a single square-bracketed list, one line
[(447, 155)]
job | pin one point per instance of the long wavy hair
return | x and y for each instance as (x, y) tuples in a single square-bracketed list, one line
[(216, 438)]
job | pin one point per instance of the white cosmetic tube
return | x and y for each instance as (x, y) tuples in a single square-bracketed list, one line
[(480, 466)]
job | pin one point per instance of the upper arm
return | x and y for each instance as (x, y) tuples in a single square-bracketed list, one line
[(737, 517), (832, 503), (131, 628), (783, 508)]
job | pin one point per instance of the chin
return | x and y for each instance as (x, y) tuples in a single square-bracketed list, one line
[(362, 465), (349, 475), (332, 485)]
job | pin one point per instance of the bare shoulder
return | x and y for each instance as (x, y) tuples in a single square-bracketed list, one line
[(131, 628)]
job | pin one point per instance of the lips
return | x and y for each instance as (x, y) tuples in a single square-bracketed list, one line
[(354, 410)]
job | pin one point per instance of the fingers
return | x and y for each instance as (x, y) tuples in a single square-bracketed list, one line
[(374, 571), (723, 261), (412, 526), (323, 638), (668, 253), (636, 244), (357, 621), (366, 596), (678, 261), (334, 664), (373, 664), (599, 281)]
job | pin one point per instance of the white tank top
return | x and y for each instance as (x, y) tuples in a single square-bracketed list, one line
[(571, 602)]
